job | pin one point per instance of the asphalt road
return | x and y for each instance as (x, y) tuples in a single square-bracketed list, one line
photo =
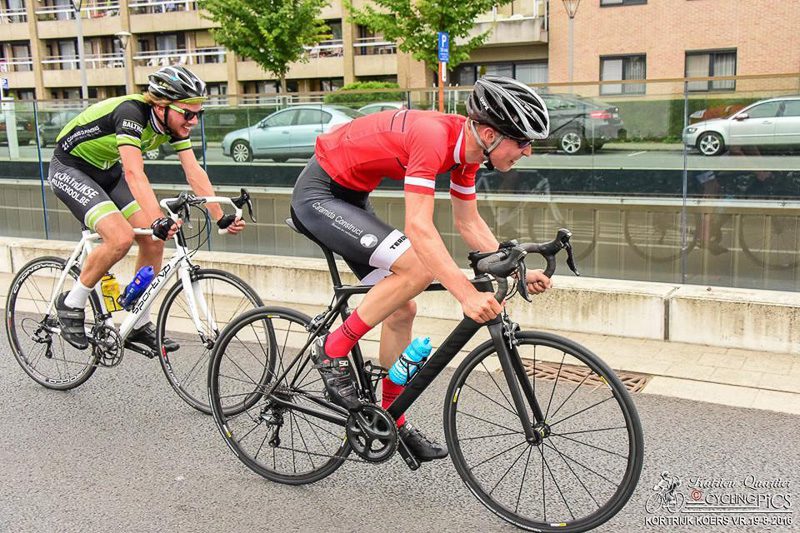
[(122, 453)]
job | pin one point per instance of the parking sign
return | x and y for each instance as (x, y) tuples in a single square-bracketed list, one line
[(444, 46), (4, 83)]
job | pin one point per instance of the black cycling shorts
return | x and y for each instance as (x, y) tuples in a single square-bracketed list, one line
[(86, 199), (345, 222)]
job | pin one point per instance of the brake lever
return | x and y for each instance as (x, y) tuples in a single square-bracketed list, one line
[(571, 259), (242, 200), (522, 280)]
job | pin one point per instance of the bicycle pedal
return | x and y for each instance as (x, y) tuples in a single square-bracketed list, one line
[(147, 352), (411, 461)]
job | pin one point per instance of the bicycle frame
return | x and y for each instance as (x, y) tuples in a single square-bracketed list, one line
[(179, 263), (519, 386)]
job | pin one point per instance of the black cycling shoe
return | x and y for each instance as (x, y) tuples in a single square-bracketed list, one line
[(146, 336), (71, 320), (421, 446), (337, 375)]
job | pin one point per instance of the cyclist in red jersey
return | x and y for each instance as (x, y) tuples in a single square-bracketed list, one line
[(330, 205)]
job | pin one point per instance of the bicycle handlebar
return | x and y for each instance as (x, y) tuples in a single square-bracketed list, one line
[(509, 260), (179, 207)]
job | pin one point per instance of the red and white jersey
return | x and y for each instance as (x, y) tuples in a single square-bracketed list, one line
[(409, 145)]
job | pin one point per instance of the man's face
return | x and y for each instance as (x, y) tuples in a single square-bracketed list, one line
[(177, 121), (508, 152)]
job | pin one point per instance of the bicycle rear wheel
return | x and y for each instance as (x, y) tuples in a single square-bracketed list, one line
[(32, 332), (226, 297), (588, 462), (288, 436)]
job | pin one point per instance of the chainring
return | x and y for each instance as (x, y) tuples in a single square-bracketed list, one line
[(372, 433)]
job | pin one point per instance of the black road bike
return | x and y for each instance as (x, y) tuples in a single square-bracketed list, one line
[(540, 429)]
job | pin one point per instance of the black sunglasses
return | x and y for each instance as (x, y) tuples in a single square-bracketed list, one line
[(187, 115), (521, 143)]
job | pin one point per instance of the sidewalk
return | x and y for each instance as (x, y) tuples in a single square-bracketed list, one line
[(643, 146)]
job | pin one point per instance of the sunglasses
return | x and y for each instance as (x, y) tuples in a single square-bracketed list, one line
[(521, 143), (187, 115)]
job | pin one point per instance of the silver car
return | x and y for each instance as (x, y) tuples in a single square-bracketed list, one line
[(768, 123), (288, 133)]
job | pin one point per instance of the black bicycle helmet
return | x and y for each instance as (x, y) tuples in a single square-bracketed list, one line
[(178, 84), (510, 107)]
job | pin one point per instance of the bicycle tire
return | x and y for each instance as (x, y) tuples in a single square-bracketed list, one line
[(478, 392), (776, 243), (186, 369), (27, 301), (229, 378), (657, 240), (585, 230)]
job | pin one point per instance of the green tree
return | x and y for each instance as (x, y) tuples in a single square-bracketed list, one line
[(414, 24), (270, 32)]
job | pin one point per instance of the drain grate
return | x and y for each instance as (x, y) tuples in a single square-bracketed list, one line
[(576, 374)]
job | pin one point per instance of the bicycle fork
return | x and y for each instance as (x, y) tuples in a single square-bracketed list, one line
[(519, 386)]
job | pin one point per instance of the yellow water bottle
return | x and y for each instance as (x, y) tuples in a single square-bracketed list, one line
[(109, 286)]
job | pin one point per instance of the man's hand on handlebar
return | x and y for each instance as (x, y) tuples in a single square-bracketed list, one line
[(231, 223), (165, 228), (481, 306), (537, 281)]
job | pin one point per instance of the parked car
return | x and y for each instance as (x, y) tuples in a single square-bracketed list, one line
[(53, 123), (771, 123), (25, 131), (381, 106), (720, 111), (290, 132), (578, 123), (166, 150)]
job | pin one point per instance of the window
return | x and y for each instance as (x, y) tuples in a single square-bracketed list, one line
[(766, 110), (530, 72), (705, 64), (604, 3), (310, 117), (633, 67), (284, 118), (792, 108)]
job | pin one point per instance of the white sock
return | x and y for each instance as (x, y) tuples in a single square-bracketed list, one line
[(78, 295), (144, 319)]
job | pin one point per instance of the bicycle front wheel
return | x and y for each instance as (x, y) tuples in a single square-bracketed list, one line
[(33, 332), (268, 399), (587, 462), (225, 297)]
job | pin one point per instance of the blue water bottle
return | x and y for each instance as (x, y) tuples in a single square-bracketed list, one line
[(410, 360), (136, 287)]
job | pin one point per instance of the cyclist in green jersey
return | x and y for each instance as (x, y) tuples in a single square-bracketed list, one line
[(98, 172)]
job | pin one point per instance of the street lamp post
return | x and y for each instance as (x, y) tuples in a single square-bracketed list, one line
[(572, 8), (124, 38), (76, 5)]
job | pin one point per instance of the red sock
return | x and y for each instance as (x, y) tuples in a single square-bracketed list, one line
[(392, 390), (341, 341)]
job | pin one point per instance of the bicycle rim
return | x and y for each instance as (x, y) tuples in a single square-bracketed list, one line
[(186, 369), (581, 473), (45, 356), (276, 441)]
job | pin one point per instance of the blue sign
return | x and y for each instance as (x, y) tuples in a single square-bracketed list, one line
[(444, 46), (4, 83)]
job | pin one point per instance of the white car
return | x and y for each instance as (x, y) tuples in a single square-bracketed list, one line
[(380, 106), (768, 123)]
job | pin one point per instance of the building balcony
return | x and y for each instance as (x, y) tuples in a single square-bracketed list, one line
[(20, 79), (321, 67), (59, 22), (514, 30), (375, 65), (207, 63), (101, 70), (14, 24), (148, 17)]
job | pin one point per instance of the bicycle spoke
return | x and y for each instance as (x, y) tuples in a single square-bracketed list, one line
[(508, 470), (498, 388), (589, 431), (489, 436), (552, 392), (491, 400), (582, 411), (566, 463), (489, 422), (497, 455), (570, 394), (582, 465), (593, 446), (522, 481), (558, 487)]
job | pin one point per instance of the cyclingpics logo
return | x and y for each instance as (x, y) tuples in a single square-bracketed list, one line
[(369, 240), (704, 501)]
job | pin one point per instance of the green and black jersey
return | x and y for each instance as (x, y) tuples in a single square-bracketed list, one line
[(91, 140)]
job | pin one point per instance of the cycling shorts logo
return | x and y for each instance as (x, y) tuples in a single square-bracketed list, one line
[(369, 240)]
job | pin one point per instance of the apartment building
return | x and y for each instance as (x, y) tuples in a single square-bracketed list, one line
[(620, 41)]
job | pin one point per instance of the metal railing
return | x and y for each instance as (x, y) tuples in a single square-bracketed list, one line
[(19, 64), (197, 56), (330, 48), (92, 61), (367, 46), (13, 16), (88, 11), (161, 6)]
